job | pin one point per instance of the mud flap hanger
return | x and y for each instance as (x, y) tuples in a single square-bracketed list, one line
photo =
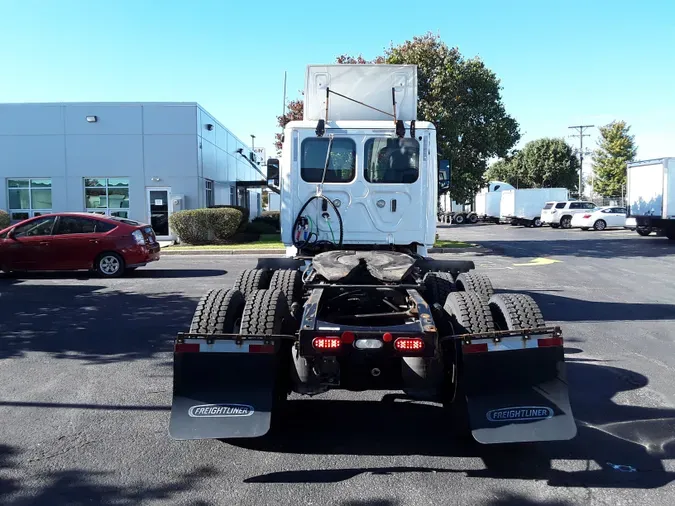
[(516, 386)]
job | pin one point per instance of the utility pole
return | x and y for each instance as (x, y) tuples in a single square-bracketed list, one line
[(581, 135)]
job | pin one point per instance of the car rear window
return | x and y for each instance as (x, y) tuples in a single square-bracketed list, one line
[(560, 205), (548, 205)]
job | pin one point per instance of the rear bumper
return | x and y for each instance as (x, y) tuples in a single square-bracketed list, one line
[(138, 256)]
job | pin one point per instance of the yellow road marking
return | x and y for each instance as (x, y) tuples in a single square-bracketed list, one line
[(538, 261)]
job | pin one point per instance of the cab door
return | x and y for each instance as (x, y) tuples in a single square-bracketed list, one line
[(28, 245)]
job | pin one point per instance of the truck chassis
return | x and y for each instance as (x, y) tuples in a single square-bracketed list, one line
[(371, 320)]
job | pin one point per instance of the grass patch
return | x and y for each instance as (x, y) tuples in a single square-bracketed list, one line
[(452, 244), (265, 241)]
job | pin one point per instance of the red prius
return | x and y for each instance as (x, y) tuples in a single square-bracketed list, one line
[(77, 241)]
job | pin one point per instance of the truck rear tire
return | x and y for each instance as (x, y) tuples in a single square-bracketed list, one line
[(473, 218), (265, 313), (458, 219), (644, 232), (470, 311), (515, 311), (289, 281), (473, 282), (437, 287), (218, 312), (251, 280)]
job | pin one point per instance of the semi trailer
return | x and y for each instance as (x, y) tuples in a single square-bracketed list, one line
[(487, 202), (650, 194), (357, 303)]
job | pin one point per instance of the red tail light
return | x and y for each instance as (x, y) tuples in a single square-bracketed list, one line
[(387, 337), (409, 344), (186, 348), (326, 343), (586, 216), (475, 348), (550, 341), (261, 348)]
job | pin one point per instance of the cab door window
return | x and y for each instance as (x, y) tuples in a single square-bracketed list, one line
[(391, 160)]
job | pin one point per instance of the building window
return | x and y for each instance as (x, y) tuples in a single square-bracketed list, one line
[(29, 197), (210, 200), (233, 196), (107, 196)]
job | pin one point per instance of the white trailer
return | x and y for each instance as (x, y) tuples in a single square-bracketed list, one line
[(488, 201), (523, 207), (651, 195)]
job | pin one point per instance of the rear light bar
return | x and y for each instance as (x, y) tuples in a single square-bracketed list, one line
[(409, 344), (326, 343)]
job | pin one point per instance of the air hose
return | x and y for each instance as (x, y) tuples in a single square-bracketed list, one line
[(301, 244)]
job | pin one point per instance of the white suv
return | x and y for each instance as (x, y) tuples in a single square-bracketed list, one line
[(559, 214)]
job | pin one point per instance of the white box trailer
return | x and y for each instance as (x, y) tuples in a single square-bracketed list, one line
[(487, 202), (523, 206), (650, 195)]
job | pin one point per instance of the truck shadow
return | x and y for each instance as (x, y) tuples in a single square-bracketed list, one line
[(610, 435)]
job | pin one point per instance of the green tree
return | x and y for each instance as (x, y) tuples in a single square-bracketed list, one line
[(462, 98), (616, 147), (542, 163)]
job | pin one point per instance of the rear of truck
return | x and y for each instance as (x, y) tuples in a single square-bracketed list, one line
[(357, 304), (650, 195)]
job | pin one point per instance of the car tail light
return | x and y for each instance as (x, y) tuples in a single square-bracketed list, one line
[(138, 237), (586, 216), (326, 343), (409, 344)]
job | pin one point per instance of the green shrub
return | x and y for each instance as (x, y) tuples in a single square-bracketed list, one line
[(4, 219), (245, 214), (258, 226), (224, 222), (191, 226), (271, 217), (202, 226)]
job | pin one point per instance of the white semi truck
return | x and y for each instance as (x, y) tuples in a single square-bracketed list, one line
[(357, 303), (650, 194)]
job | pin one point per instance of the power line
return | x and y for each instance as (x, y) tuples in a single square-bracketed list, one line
[(581, 135)]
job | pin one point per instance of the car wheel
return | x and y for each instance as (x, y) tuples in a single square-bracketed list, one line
[(600, 225), (643, 231), (110, 265), (537, 222), (566, 222)]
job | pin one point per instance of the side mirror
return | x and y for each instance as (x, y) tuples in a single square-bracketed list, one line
[(273, 171), (444, 175)]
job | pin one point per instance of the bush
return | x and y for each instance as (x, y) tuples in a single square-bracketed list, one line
[(272, 218), (201, 226), (245, 214), (258, 226), (4, 219)]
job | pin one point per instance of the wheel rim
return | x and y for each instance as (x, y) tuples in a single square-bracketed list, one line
[(566, 222), (109, 265), (600, 225), (537, 223)]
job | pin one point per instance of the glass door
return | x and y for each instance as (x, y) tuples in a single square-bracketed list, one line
[(159, 209)]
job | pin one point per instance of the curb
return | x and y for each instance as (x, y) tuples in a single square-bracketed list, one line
[(224, 252)]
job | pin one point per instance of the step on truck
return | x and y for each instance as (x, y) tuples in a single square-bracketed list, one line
[(650, 194), (357, 303)]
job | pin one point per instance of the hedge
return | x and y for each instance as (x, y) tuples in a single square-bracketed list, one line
[(201, 226), (245, 214), (258, 226), (4, 219), (272, 218)]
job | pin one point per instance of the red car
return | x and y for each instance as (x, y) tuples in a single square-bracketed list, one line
[(76, 241)]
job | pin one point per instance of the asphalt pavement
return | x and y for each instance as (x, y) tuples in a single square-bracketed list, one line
[(85, 369)]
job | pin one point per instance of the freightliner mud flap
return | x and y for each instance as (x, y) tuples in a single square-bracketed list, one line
[(516, 386), (223, 386)]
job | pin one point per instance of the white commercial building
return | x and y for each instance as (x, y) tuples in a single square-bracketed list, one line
[(143, 161)]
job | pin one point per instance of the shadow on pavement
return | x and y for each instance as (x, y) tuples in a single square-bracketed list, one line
[(89, 322), (610, 435), (140, 273), (569, 309), (78, 486), (593, 247)]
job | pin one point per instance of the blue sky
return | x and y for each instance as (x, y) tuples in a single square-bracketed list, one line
[(560, 63)]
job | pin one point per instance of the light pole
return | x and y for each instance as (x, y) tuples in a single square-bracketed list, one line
[(581, 135)]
